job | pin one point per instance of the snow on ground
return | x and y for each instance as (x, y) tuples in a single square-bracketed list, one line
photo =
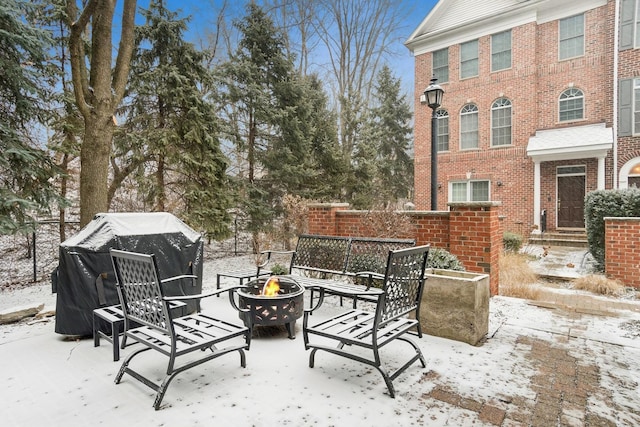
[(49, 379)]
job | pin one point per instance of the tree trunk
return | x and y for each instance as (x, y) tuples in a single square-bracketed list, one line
[(98, 90), (94, 164)]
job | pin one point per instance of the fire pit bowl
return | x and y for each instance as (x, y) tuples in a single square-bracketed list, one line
[(269, 306)]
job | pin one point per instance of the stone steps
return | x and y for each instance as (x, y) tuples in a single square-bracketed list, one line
[(577, 239)]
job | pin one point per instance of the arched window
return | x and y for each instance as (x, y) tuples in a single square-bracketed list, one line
[(442, 130), (501, 122), (469, 127), (633, 179), (571, 105)]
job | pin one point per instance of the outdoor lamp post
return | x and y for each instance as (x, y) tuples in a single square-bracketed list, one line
[(433, 95)]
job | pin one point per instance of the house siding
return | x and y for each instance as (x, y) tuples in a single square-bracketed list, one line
[(533, 85)]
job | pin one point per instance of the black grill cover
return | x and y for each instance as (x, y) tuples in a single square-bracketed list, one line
[(85, 280)]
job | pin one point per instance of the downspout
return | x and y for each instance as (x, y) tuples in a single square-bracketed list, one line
[(616, 50)]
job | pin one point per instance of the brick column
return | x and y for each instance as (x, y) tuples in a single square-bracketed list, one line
[(322, 217), (475, 237), (621, 236)]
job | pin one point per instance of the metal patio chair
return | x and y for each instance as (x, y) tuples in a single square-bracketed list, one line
[(144, 303), (357, 329)]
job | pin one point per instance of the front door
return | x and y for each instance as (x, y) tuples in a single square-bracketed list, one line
[(571, 192)]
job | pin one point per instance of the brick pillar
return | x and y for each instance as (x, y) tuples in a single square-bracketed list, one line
[(322, 217), (621, 249), (475, 237)]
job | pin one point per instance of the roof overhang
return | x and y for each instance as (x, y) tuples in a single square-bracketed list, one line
[(576, 142)]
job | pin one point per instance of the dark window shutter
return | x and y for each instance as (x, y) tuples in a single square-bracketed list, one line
[(625, 107), (627, 23)]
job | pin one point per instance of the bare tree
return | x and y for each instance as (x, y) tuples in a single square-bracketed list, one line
[(357, 36), (98, 89)]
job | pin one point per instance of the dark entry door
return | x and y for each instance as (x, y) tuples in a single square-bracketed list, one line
[(571, 192)]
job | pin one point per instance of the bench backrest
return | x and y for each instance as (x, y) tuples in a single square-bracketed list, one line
[(326, 254), (370, 254), (403, 283), (344, 255), (140, 291)]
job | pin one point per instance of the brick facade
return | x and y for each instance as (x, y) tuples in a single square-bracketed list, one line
[(533, 84), (470, 231), (622, 253)]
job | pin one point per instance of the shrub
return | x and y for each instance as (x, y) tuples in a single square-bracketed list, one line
[(442, 259), (607, 203), (517, 279), (599, 284), (512, 242)]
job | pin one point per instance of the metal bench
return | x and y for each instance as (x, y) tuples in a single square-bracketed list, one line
[(318, 259), (199, 335), (359, 334)]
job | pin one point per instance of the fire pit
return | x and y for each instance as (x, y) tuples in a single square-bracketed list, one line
[(272, 301)]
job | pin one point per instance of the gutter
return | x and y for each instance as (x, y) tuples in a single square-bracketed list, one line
[(616, 41)]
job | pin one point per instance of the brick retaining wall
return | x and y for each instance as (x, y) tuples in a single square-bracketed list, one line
[(470, 231)]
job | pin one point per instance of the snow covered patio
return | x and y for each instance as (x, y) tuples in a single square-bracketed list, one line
[(539, 366)]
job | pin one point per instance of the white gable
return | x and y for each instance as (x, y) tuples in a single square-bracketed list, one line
[(455, 21)]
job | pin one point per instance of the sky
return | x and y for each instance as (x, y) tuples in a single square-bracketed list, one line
[(204, 13)]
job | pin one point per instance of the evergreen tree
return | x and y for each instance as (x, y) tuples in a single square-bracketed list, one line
[(26, 170), (170, 139), (387, 134)]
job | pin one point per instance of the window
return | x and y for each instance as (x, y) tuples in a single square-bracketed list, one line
[(571, 105), (469, 127), (442, 142), (470, 191), (501, 122), (636, 106), (501, 51), (633, 179), (571, 37), (441, 65), (469, 59)]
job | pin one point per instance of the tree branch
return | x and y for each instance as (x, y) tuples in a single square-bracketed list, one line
[(125, 52)]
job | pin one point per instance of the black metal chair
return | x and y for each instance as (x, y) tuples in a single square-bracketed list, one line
[(400, 295), (144, 304)]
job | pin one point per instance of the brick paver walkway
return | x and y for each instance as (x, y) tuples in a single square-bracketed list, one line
[(572, 380)]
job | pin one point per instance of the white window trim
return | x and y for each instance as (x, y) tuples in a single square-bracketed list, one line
[(468, 183), (510, 50), (510, 106), (583, 105), (584, 37), (477, 58), (634, 90), (477, 112)]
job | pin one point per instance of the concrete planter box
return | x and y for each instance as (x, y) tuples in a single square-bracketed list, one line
[(455, 305)]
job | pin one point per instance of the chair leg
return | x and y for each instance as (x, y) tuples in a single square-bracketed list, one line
[(125, 363)]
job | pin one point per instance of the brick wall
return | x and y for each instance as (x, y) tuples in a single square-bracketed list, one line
[(622, 252), (533, 84), (470, 231)]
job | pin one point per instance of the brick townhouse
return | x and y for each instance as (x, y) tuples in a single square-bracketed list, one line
[(541, 105)]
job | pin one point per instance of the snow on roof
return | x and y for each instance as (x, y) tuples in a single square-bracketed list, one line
[(573, 142)]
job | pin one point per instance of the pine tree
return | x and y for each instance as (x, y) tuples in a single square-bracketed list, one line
[(26, 170), (170, 138), (387, 134)]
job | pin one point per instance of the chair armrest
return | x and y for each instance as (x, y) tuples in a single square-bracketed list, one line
[(201, 295), (350, 291), (268, 253), (370, 275), (182, 276), (319, 300)]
